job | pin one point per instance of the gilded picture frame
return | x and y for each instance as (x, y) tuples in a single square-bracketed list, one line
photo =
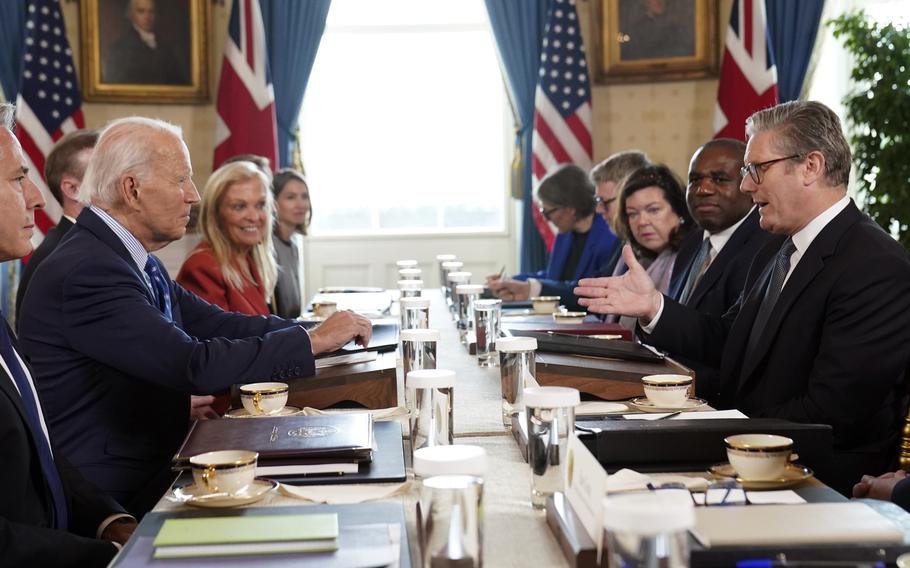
[(655, 40), (145, 51)]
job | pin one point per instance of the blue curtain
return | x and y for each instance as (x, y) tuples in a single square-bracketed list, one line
[(792, 27), (12, 25), (298, 24), (518, 26)]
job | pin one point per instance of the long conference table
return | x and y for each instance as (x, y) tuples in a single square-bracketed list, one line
[(514, 533)]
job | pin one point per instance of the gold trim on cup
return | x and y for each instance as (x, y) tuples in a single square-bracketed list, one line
[(659, 383), (249, 460), (752, 448)]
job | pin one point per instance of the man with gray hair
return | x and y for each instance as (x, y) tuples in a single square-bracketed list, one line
[(49, 515), (820, 333), (118, 347), (607, 175)]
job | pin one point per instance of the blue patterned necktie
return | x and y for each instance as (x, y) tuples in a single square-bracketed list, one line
[(30, 405), (159, 286), (699, 266), (772, 292)]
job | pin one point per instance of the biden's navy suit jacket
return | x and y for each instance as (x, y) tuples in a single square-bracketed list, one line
[(115, 375)]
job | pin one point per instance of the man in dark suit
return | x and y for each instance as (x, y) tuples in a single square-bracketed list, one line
[(63, 170), (821, 332), (49, 515), (711, 266), (607, 175), (118, 347)]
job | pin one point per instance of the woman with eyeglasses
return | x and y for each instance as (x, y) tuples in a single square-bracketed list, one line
[(293, 215), (583, 243), (654, 219)]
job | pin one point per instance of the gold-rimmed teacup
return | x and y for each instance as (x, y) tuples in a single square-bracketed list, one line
[(264, 398), (759, 457), (545, 304), (569, 317), (667, 391), (224, 471)]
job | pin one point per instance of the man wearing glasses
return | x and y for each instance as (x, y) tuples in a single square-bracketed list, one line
[(821, 331)]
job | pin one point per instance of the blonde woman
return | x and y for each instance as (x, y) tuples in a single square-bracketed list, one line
[(234, 266)]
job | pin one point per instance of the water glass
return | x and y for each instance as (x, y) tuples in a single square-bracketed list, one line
[(454, 279), (450, 506), (550, 415), (440, 260), (428, 395), (410, 288), (517, 371), (446, 268), (467, 294), (642, 530), (487, 317), (415, 312), (418, 349)]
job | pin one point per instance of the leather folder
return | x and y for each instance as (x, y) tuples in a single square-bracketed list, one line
[(591, 326), (550, 342), (694, 445)]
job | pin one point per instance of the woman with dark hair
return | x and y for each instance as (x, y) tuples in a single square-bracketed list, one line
[(294, 212), (654, 219), (583, 243)]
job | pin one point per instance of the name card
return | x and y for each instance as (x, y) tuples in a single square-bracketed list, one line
[(586, 487)]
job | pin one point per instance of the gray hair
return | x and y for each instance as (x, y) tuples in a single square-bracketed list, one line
[(7, 116), (619, 165), (804, 127), (568, 186), (124, 147)]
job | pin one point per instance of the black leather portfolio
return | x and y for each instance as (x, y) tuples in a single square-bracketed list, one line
[(693, 445), (550, 342)]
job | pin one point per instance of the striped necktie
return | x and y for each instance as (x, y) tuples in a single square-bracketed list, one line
[(699, 266), (159, 286)]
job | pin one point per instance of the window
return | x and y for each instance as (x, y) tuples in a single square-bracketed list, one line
[(405, 126)]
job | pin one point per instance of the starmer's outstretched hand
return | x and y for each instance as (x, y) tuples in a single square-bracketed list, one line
[(632, 294)]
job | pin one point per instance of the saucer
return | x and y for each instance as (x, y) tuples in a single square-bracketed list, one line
[(193, 495), (243, 413), (642, 403), (793, 475)]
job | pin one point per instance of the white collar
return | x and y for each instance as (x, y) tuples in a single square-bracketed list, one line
[(804, 237), (148, 38), (719, 239)]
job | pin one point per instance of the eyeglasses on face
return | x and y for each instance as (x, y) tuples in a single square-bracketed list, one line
[(601, 202), (545, 213), (756, 170)]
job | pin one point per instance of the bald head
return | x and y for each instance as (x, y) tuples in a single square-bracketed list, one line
[(712, 193)]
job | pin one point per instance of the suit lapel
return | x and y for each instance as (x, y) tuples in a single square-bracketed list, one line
[(737, 240), (811, 263)]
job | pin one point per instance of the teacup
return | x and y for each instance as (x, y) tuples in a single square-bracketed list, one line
[(264, 398), (667, 391), (224, 471), (569, 317), (324, 309), (545, 304), (759, 457)]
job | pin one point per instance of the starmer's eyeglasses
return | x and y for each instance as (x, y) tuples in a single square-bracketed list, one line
[(756, 170), (545, 213), (718, 493), (601, 202)]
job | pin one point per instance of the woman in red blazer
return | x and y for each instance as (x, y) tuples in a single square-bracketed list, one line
[(233, 266)]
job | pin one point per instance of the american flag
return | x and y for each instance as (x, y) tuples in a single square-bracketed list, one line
[(748, 77), (562, 103), (49, 104), (245, 123)]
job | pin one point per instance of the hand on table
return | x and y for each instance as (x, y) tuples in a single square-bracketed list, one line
[(510, 289), (119, 531), (632, 294), (879, 487), (201, 408), (338, 329)]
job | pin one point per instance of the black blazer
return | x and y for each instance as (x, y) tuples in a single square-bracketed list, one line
[(719, 288), (116, 376), (26, 538), (47, 246), (834, 350)]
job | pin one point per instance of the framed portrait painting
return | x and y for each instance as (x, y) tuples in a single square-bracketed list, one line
[(655, 40), (148, 51)]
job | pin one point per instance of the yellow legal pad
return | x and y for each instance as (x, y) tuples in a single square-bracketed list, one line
[(247, 535)]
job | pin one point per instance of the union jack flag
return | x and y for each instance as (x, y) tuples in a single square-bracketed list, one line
[(49, 104), (562, 103), (748, 77), (245, 123)]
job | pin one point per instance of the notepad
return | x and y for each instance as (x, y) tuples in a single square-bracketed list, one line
[(246, 535)]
